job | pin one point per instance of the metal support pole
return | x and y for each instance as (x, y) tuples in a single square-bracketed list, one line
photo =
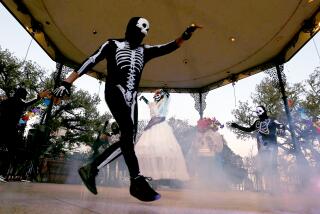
[(49, 109), (285, 102), (201, 106)]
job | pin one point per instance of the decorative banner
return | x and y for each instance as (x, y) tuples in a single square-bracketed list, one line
[(302, 114), (36, 110), (22, 122), (40, 106), (46, 101), (310, 124), (316, 124)]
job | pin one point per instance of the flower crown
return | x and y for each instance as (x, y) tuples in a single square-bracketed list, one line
[(208, 123)]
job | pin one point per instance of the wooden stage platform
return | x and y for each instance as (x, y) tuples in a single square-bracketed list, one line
[(43, 198)]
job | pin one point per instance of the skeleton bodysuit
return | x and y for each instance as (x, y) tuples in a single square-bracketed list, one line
[(125, 64), (266, 163), (266, 129), (126, 59)]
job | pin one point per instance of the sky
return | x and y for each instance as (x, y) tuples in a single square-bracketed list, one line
[(219, 102)]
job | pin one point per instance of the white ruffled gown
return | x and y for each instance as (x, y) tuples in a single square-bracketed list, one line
[(159, 154)]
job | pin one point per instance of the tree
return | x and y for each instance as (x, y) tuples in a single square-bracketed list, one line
[(15, 73), (243, 115), (78, 115), (234, 168), (312, 92), (183, 131)]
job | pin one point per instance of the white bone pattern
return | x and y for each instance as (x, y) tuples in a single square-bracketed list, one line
[(263, 126), (133, 61)]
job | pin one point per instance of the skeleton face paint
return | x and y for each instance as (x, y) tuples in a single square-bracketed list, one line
[(259, 111), (143, 24), (157, 96)]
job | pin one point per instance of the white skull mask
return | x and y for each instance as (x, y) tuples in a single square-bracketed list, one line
[(259, 111), (143, 24)]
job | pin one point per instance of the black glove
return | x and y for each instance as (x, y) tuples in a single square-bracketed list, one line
[(166, 92), (63, 90), (144, 99), (141, 98), (188, 32)]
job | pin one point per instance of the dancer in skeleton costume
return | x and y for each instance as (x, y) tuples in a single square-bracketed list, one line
[(126, 59), (159, 154), (267, 146)]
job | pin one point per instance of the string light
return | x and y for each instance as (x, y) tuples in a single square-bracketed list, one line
[(232, 39)]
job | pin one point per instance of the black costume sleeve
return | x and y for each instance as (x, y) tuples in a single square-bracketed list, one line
[(159, 50), (93, 59), (30, 103), (144, 99), (2, 108), (247, 129)]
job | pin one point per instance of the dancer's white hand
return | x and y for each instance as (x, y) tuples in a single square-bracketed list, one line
[(63, 90)]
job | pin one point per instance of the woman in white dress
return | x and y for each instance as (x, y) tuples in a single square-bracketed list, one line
[(158, 151)]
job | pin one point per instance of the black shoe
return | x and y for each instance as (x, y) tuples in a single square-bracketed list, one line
[(140, 189), (88, 175)]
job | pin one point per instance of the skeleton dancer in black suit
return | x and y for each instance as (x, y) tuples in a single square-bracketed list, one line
[(126, 59), (266, 128)]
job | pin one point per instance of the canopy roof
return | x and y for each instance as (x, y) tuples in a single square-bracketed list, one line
[(239, 38)]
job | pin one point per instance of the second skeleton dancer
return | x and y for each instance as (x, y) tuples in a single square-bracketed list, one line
[(266, 128), (126, 59)]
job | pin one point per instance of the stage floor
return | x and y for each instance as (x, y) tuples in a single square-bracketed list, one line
[(41, 198)]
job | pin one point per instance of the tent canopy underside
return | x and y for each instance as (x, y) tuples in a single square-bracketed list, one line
[(239, 38)]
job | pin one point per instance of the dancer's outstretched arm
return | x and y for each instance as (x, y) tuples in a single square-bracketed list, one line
[(97, 56), (242, 128), (187, 34), (153, 51)]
